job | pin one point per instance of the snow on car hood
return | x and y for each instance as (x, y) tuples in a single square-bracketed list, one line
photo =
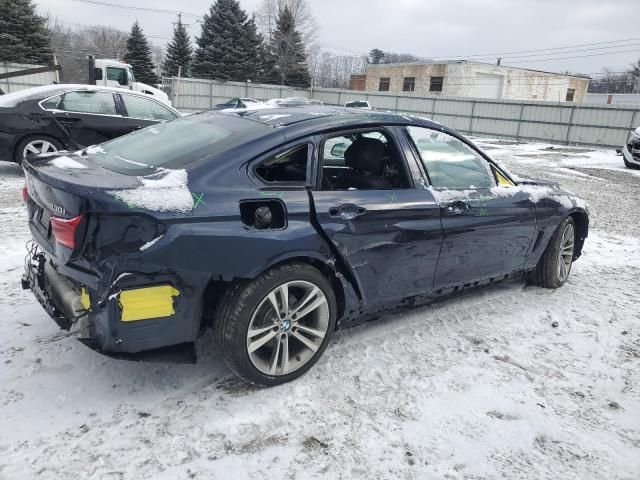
[(164, 191)]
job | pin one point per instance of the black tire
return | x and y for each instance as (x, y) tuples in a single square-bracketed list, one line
[(22, 144), (236, 307), (547, 273)]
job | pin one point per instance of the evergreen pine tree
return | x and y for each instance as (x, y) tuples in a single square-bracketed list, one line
[(23, 36), (179, 53), (376, 55), (139, 56), (229, 45), (288, 53)]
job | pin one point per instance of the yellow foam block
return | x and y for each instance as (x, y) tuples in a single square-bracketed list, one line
[(147, 302), (84, 299)]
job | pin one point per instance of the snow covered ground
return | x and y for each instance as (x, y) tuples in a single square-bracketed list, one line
[(511, 381)]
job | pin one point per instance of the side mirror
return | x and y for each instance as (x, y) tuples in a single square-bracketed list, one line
[(338, 150), (98, 73)]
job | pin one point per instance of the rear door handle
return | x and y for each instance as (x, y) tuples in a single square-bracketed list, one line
[(347, 211), (458, 208), (68, 121)]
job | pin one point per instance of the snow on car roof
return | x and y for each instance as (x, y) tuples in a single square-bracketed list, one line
[(10, 100), (284, 116)]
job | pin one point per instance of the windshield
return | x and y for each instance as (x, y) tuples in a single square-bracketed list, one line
[(175, 144)]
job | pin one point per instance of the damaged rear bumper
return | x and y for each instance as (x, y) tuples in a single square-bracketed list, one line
[(138, 316)]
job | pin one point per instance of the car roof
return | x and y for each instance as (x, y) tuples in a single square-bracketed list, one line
[(39, 93), (326, 116)]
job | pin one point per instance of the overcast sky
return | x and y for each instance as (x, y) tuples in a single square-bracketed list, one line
[(442, 29)]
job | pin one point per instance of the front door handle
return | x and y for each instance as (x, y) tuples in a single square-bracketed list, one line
[(347, 211), (458, 208)]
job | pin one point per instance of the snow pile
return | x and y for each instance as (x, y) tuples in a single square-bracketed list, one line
[(452, 195), (93, 149), (66, 163), (163, 191), (536, 193)]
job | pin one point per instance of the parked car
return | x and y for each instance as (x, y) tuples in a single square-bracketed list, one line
[(293, 102), (358, 104), (275, 237), (631, 151), (70, 117), (241, 104)]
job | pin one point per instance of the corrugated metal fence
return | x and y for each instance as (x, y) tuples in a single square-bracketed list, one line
[(605, 125), (9, 85)]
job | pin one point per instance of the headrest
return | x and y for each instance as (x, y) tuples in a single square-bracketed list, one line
[(365, 154)]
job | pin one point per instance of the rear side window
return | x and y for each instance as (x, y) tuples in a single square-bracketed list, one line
[(289, 166), (89, 102), (52, 103), (177, 144), (450, 163), (147, 109)]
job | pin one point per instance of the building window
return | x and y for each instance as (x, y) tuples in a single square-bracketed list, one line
[(436, 84), (570, 94), (383, 86), (409, 84)]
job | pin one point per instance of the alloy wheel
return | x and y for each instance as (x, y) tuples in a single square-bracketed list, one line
[(288, 327), (565, 259), (38, 146)]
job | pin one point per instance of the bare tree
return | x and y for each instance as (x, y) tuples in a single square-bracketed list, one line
[(268, 11), (334, 71), (72, 46), (613, 82)]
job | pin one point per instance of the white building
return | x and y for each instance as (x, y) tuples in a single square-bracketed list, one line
[(472, 79)]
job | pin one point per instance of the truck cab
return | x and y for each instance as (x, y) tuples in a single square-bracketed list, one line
[(114, 73)]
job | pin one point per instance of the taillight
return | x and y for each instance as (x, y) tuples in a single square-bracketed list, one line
[(25, 193), (64, 230)]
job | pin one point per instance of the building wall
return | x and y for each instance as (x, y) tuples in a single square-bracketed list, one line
[(480, 81), (358, 82)]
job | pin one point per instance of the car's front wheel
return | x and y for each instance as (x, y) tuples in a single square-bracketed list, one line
[(554, 267), (34, 145), (272, 329)]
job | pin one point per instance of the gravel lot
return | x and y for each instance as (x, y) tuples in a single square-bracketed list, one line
[(511, 381)]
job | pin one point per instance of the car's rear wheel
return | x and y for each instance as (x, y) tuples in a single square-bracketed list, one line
[(272, 329), (554, 267), (35, 145)]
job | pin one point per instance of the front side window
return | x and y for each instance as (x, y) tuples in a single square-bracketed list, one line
[(147, 109), (117, 74), (368, 160), (409, 84), (450, 163), (89, 102)]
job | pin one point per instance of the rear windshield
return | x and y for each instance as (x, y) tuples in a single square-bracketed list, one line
[(175, 144)]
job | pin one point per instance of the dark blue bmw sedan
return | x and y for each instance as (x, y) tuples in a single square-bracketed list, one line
[(275, 228)]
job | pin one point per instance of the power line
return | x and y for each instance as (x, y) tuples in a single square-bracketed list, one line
[(133, 7), (543, 49), (577, 56)]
